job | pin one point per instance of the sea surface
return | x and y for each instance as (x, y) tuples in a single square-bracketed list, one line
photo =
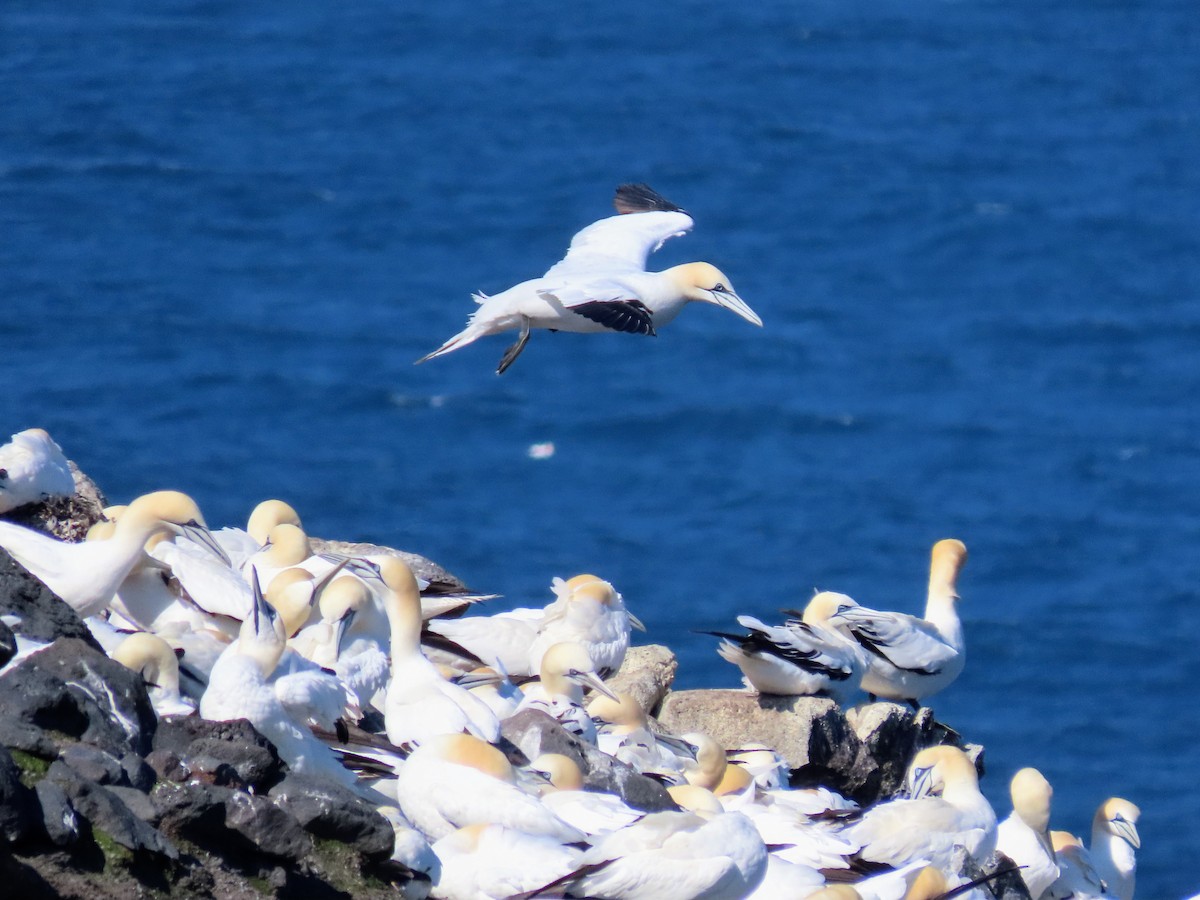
[(972, 230)]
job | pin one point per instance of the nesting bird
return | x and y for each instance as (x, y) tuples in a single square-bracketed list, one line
[(602, 285), (1024, 837), (86, 575), (33, 469)]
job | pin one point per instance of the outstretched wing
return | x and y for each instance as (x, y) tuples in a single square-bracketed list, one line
[(619, 244)]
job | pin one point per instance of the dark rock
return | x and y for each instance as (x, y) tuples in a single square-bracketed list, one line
[(192, 811), (66, 518), (93, 764), (138, 774), (207, 745), (105, 811), (18, 804), (8, 644), (42, 614), (1008, 886), (58, 815), (333, 812), (534, 733), (138, 803), (167, 765), (892, 734), (269, 828), (76, 690)]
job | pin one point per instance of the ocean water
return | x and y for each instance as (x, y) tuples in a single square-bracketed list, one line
[(971, 230)]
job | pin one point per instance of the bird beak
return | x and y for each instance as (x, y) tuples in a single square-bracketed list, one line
[(635, 622), (340, 629), (587, 679), (1127, 830), (678, 744), (732, 302), (319, 585), (197, 533), (262, 609), (921, 783)]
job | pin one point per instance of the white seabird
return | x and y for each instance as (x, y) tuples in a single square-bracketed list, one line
[(490, 861), (565, 671), (802, 656), (33, 469), (1024, 837), (592, 812), (926, 825), (1114, 840), (910, 658), (420, 702), (152, 658), (86, 575), (602, 283)]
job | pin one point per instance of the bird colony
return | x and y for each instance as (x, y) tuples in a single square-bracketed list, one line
[(401, 690)]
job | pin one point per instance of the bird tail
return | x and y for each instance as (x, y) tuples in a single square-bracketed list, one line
[(470, 334)]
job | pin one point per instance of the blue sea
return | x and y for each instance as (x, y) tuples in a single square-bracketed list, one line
[(972, 230)]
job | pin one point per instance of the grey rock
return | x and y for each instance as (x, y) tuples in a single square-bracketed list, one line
[(8, 644), (440, 581), (534, 733), (892, 734), (646, 675), (269, 828), (811, 733), (138, 774), (76, 690), (41, 614), (167, 765), (1008, 886), (94, 764), (18, 804), (191, 810), (104, 810), (331, 811), (59, 820), (66, 518), (138, 803), (203, 746)]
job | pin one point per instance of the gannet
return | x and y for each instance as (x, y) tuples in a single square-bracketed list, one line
[(802, 656), (1077, 874), (602, 283), (1114, 840), (566, 670), (675, 856), (152, 658), (592, 812), (766, 766), (926, 825), (244, 684), (453, 780), (586, 610), (624, 732), (491, 862), (241, 544), (1024, 837), (33, 469), (86, 575), (420, 702), (910, 658)]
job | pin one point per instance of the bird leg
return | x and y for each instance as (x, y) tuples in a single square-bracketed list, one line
[(511, 354)]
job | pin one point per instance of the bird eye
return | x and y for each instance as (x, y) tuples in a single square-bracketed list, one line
[(720, 287)]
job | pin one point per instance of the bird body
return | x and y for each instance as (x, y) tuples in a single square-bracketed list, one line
[(493, 862), (1114, 842), (602, 283), (87, 575), (1024, 837), (911, 658), (33, 469), (805, 656)]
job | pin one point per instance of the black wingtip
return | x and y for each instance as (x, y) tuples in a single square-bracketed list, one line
[(639, 197)]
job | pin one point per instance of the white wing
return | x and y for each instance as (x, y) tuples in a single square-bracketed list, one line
[(619, 244), (906, 642), (314, 696)]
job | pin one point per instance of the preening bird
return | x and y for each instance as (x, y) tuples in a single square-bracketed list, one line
[(602, 283)]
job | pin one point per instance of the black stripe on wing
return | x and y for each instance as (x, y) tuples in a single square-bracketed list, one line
[(756, 642), (870, 641), (636, 198), (628, 316)]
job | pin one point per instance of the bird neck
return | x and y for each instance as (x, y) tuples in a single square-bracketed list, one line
[(941, 611)]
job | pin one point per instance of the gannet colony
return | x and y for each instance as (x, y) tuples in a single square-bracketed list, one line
[(253, 712)]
